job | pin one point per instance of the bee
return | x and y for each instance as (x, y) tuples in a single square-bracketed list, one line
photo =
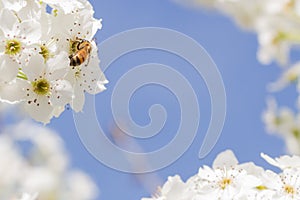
[(81, 50)]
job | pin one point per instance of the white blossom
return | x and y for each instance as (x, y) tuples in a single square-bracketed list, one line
[(86, 78), (289, 76), (275, 22), (285, 185), (43, 170), (17, 37), (285, 123), (36, 47), (227, 179), (283, 162), (277, 26), (45, 86)]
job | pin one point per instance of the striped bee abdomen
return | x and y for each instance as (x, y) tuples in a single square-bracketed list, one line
[(77, 59), (82, 54)]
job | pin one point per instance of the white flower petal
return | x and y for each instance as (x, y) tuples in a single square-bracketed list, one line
[(62, 93), (14, 5), (7, 21), (8, 68), (31, 31), (67, 5), (57, 111), (225, 159), (35, 68), (283, 162), (41, 113), (173, 188), (82, 187), (59, 65), (12, 92), (78, 99)]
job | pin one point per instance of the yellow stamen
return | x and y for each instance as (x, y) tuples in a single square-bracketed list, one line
[(225, 182)]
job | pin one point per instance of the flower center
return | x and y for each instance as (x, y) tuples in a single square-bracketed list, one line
[(277, 121), (278, 38), (13, 47), (292, 77), (282, 36), (225, 182), (296, 133), (41, 87), (289, 5), (45, 52), (289, 189)]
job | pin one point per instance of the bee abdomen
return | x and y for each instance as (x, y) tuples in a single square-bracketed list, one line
[(77, 59)]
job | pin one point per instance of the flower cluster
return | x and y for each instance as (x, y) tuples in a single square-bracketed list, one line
[(34, 165), (277, 25), (284, 122), (48, 56), (228, 179)]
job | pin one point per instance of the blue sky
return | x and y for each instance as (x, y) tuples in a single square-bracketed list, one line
[(234, 52)]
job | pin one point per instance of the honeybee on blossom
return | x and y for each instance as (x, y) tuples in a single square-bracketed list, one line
[(80, 51)]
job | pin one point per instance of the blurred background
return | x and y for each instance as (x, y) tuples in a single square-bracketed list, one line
[(245, 79)]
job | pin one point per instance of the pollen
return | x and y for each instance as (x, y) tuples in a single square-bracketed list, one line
[(45, 52), (55, 12), (277, 121), (158, 193), (73, 46), (77, 73), (296, 133), (225, 182), (41, 87), (13, 47), (292, 77), (289, 189), (289, 5), (279, 37), (261, 187)]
